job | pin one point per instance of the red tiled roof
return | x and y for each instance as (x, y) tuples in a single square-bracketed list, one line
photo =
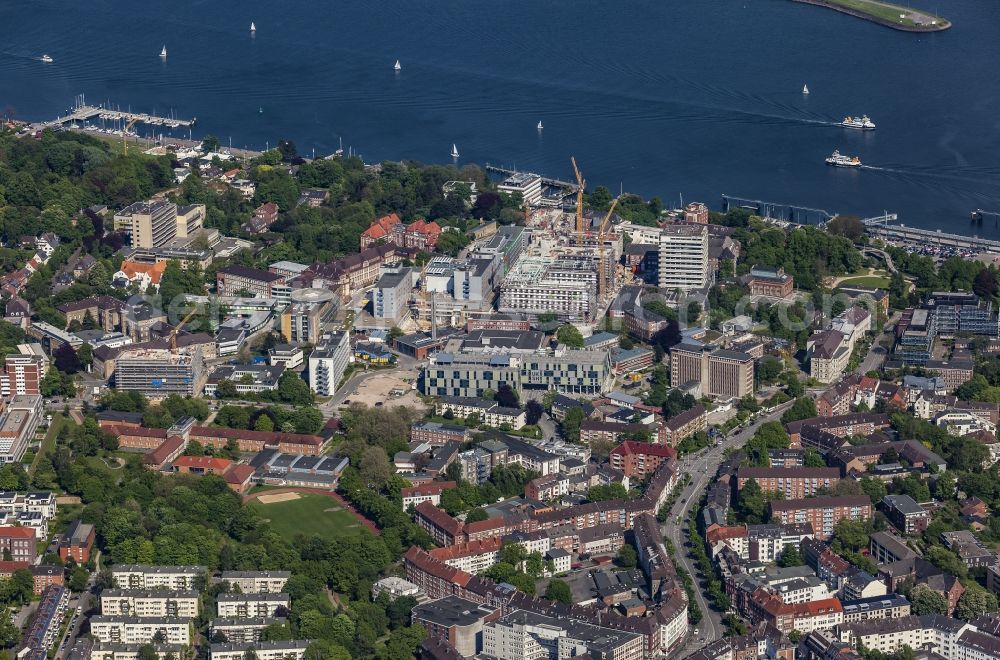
[(439, 518), (8, 567), (206, 462), (644, 448), (238, 474), (424, 562), (17, 533), (429, 488), (141, 431), (485, 525), (478, 547), (716, 533), (167, 447)]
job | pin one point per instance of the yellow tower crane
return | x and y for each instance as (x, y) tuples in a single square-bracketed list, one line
[(581, 184), (125, 131), (602, 284), (173, 333)]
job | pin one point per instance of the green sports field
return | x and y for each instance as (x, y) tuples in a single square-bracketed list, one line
[(310, 515)]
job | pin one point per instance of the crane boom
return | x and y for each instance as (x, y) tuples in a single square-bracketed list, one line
[(602, 284), (173, 333), (581, 184)]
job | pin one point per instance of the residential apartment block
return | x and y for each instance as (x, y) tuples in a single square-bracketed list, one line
[(823, 513), (135, 630), (640, 459), (257, 582), (490, 413), (328, 363), (20, 542), (143, 604), (683, 257), (233, 605), (244, 630), (147, 576), (904, 512), (791, 483), (291, 650)]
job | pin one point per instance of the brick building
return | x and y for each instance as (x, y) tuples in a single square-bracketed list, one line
[(822, 512), (792, 483), (639, 459)]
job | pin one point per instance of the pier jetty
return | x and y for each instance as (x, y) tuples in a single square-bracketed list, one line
[(82, 113)]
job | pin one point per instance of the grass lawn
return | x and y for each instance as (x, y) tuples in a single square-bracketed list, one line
[(866, 280), (890, 12), (309, 515)]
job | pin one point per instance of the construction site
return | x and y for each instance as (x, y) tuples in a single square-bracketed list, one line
[(564, 262)]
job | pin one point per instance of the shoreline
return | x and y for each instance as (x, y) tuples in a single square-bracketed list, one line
[(836, 6)]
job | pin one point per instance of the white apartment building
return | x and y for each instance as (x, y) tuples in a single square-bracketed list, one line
[(683, 257), (41, 502), (490, 413), (131, 651), (18, 425), (802, 590), (147, 577), (250, 605), (328, 362), (292, 650), (949, 638), (257, 582), (523, 634), (135, 630), (472, 558), (242, 631), (144, 604), (566, 286)]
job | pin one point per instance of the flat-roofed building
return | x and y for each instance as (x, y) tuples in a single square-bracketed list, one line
[(890, 606), (566, 286), (18, 425), (823, 513), (136, 630), (159, 372), (149, 224), (719, 372), (526, 184), (792, 483), (244, 630), (523, 634), (328, 363), (251, 605), (306, 319), (456, 621), (683, 252), (148, 576), (290, 650), (140, 603), (257, 582), (391, 294)]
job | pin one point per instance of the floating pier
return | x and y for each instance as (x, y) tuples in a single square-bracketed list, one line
[(82, 112)]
